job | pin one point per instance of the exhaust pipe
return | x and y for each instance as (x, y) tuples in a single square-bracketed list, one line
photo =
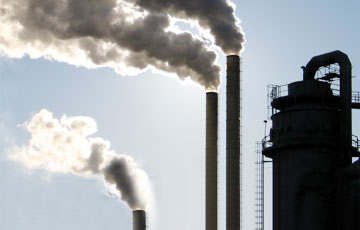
[(345, 119), (345, 96), (233, 143), (211, 160), (139, 220)]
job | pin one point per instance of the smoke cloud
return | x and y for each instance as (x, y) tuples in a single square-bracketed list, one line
[(127, 35), (64, 146), (216, 15)]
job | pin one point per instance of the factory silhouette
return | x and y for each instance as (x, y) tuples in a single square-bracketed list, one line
[(316, 184)]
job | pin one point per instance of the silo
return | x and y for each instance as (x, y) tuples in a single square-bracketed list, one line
[(139, 220), (211, 160), (233, 143)]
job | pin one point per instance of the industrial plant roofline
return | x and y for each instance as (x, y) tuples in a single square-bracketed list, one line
[(277, 91), (350, 99), (327, 59), (345, 96), (311, 146), (341, 95)]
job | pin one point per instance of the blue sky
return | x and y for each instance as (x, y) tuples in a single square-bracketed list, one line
[(159, 121)]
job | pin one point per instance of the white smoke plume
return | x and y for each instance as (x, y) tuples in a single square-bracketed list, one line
[(127, 35), (64, 146)]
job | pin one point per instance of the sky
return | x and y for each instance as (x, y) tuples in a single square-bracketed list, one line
[(160, 121)]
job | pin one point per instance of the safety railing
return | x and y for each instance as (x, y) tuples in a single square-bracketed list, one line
[(355, 142), (275, 91), (266, 143), (355, 95)]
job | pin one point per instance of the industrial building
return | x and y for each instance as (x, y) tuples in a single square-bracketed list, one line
[(316, 183), (316, 178)]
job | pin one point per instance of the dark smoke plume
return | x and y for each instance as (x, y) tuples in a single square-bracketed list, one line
[(128, 35), (216, 15), (119, 173)]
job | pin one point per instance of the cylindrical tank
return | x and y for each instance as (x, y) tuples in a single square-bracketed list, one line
[(233, 143), (139, 220), (305, 153), (211, 159)]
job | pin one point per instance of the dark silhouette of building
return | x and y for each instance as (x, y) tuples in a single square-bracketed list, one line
[(316, 185)]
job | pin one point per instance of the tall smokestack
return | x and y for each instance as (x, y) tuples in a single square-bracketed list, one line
[(211, 159), (233, 143), (139, 220)]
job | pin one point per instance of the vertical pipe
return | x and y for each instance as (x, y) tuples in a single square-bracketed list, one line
[(211, 160), (139, 220), (345, 138), (345, 119), (345, 96), (345, 111), (233, 143)]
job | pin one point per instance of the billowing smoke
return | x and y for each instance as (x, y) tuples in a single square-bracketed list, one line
[(216, 15), (128, 35), (64, 146)]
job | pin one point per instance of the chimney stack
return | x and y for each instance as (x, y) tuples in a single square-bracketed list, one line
[(233, 143), (211, 160), (139, 220)]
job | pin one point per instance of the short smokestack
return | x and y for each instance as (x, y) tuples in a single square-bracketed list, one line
[(211, 160), (139, 220), (233, 143)]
